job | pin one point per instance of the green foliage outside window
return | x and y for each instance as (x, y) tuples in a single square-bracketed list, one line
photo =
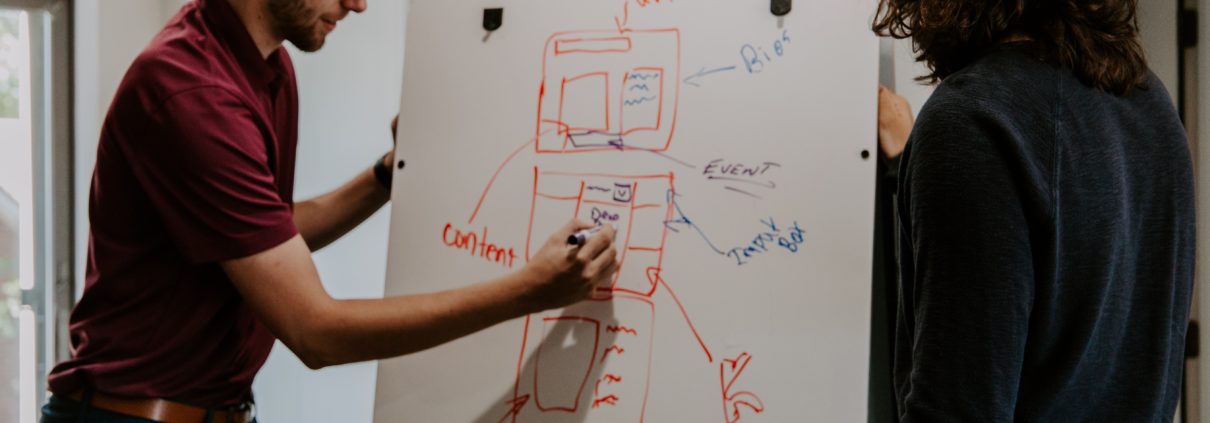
[(10, 298), (9, 39)]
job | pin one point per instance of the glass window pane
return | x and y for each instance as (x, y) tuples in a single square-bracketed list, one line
[(10, 304), (16, 206)]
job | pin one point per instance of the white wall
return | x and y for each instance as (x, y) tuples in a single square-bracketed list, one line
[(349, 92), (1157, 29)]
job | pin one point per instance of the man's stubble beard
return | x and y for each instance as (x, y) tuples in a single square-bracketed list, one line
[(296, 22)]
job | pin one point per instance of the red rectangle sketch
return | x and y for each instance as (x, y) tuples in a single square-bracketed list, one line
[(585, 108), (592, 45), (564, 360), (641, 69), (642, 100), (590, 363), (636, 205)]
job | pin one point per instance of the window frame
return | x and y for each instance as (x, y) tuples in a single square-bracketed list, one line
[(51, 299)]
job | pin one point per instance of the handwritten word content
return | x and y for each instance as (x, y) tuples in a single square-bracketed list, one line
[(741, 177), (757, 57), (475, 243), (771, 238)]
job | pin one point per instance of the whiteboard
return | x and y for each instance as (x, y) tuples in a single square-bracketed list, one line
[(724, 143)]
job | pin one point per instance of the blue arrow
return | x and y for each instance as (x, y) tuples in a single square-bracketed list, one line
[(704, 72)]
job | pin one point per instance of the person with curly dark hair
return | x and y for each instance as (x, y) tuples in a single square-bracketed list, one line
[(1046, 215)]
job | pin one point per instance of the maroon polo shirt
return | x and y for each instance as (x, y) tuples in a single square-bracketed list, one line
[(195, 166)]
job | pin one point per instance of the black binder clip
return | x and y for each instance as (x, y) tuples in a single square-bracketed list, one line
[(493, 18), (781, 7)]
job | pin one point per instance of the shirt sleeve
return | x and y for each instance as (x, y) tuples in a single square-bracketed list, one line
[(968, 271), (206, 167)]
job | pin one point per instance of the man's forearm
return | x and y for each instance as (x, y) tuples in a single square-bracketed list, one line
[(282, 286), (326, 218), (360, 330)]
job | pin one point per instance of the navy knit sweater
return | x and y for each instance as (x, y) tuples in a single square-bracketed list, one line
[(1046, 250)]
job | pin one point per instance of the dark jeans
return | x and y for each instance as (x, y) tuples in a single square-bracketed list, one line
[(66, 410)]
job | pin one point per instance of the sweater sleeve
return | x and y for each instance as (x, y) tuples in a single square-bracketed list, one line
[(967, 269)]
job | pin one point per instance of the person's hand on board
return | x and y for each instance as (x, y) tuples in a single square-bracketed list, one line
[(895, 122), (561, 274), (389, 158)]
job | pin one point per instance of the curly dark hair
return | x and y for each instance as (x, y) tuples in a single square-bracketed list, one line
[(1096, 39)]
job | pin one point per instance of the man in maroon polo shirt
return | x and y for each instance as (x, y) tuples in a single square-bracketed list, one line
[(199, 257)]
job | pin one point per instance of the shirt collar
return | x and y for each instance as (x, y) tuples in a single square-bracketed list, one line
[(230, 29)]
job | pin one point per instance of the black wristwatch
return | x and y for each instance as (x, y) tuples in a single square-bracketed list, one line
[(382, 173)]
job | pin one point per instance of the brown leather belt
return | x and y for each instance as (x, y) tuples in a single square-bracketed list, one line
[(166, 411)]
